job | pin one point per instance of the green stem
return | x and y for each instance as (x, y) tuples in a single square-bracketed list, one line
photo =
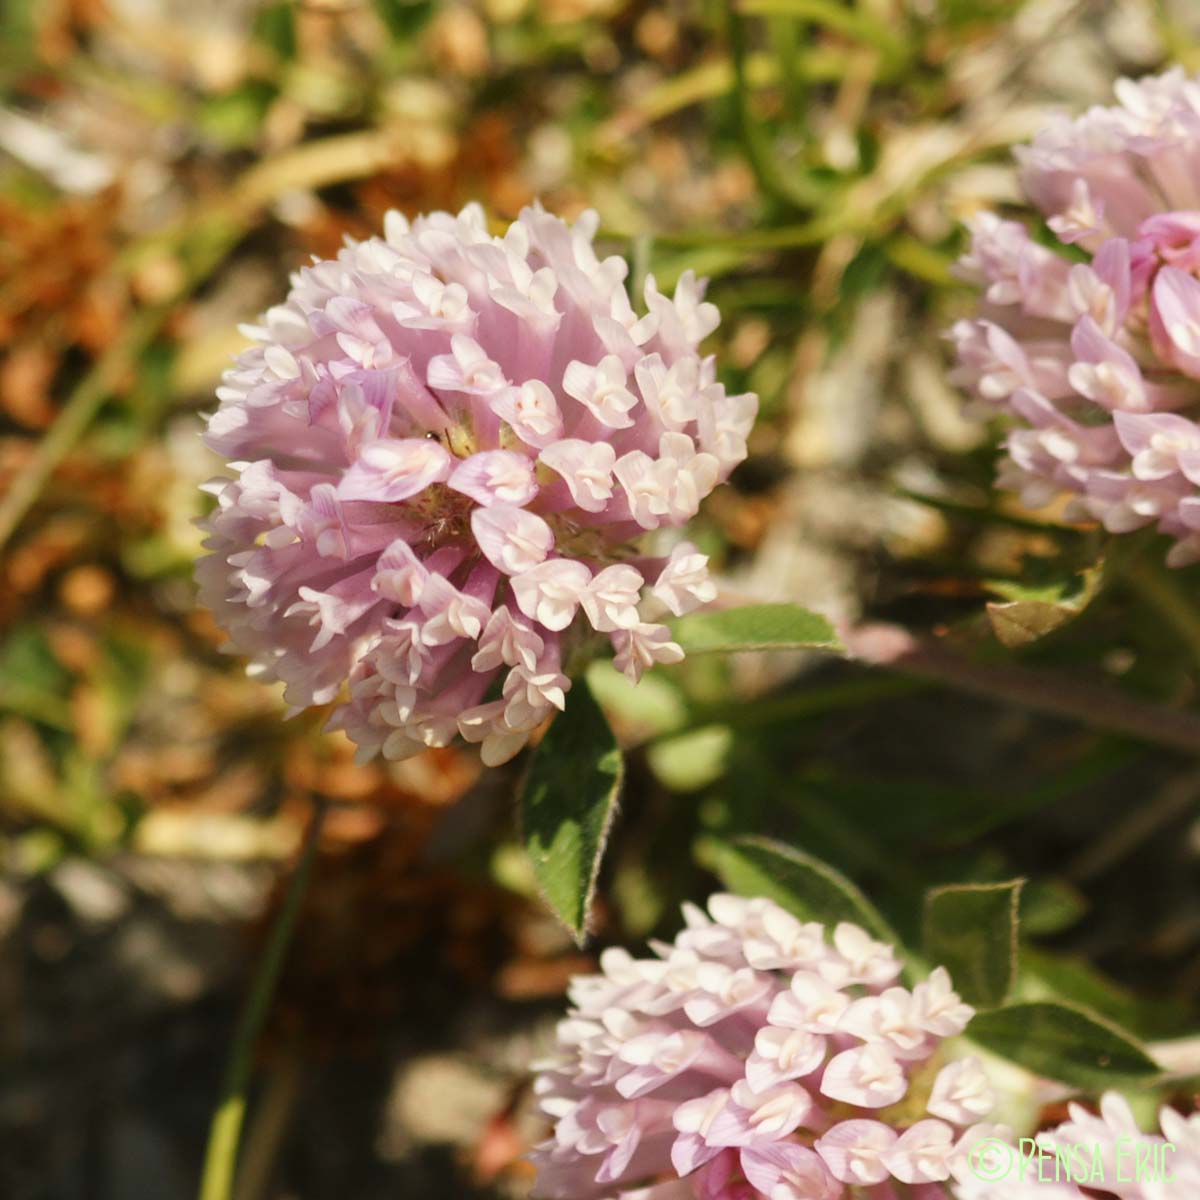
[(220, 1159), (1162, 593), (785, 41), (1099, 705), (796, 706), (780, 237)]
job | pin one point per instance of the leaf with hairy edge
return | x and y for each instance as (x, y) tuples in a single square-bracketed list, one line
[(1063, 1043), (805, 886), (754, 627), (568, 802), (971, 930)]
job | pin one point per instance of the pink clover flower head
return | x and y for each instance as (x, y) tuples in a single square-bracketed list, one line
[(755, 1056), (1092, 347), (446, 447)]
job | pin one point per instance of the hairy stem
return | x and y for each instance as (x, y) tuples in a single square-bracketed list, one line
[(1154, 584), (1098, 705)]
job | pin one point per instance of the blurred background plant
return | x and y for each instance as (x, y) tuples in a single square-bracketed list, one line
[(162, 167)]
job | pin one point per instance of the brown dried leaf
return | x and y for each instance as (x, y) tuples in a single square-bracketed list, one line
[(25, 376)]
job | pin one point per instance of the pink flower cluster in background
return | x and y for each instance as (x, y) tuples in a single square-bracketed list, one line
[(446, 446), (758, 1057), (1093, 345)]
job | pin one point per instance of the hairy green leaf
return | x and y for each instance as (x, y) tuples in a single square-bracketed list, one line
[(568, 802), (971, 930), (805, 886), (1063, 1043)]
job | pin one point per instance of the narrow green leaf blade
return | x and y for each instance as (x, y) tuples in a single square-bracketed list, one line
[(568, 802), (755, 627), (805, 886), (1063, 1043), (971, 930)]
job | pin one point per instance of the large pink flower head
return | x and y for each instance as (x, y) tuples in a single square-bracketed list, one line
[(1096, 1157), (1094, 347), (758, 1056), (447, 445)]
